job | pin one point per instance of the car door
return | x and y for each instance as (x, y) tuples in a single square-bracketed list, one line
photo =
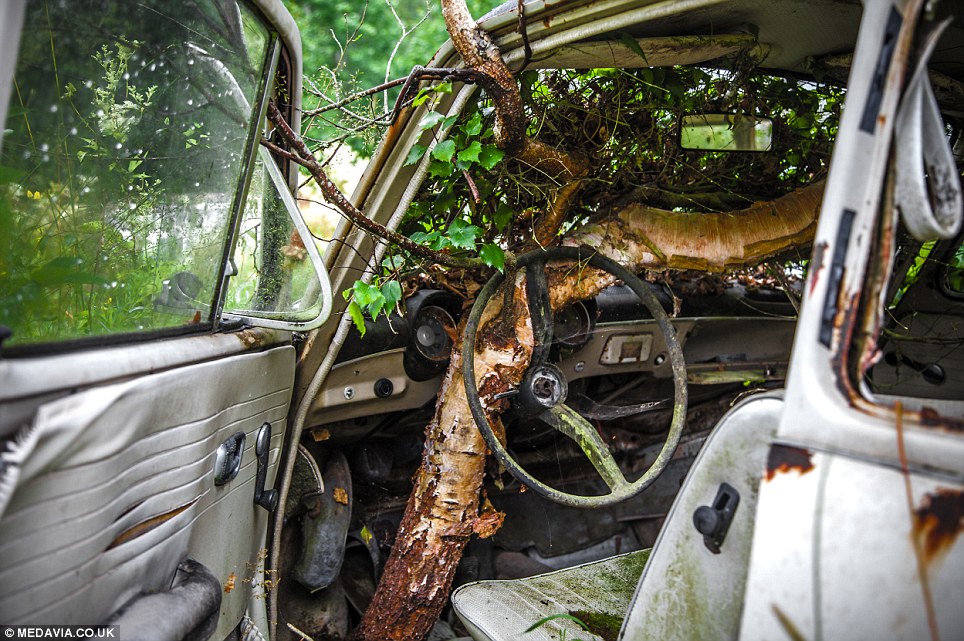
[(153, 266)]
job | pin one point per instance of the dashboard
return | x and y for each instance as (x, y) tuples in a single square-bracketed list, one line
[(738, 336)]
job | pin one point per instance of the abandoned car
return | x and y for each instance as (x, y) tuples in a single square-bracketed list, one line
[(198, 441)]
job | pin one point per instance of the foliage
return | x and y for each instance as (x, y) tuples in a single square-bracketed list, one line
[(626, 123), (68, 268), (459, 148), (553, 617), (350, 46)]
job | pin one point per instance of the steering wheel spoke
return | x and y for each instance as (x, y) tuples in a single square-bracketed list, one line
[(564, 419), (540, 313)]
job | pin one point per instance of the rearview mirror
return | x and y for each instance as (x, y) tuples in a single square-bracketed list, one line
[(725, 132)]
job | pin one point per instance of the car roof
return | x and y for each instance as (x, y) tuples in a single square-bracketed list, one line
[(792, 33)]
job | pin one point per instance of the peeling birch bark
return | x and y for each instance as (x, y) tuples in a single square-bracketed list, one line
[(443, 510), (641, 237)]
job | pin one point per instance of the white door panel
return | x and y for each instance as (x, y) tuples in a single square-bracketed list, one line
[(114, 486)]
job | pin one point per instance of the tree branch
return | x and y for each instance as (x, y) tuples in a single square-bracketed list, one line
[(303, 157)]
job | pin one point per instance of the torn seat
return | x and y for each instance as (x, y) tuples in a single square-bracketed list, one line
[(690, 586)]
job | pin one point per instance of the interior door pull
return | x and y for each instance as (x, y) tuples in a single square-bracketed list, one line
[(268, 499)]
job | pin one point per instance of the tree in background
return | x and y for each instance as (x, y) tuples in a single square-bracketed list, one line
[(351, 46)]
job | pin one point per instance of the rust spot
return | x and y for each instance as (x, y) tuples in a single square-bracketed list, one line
[(340, 495), (488, 523), (929, 416), (250, 337), (817, 265), (229, 584), (938, 521), (492, 385), (784, 458)]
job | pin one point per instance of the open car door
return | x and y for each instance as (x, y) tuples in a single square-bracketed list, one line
[(153, 268)]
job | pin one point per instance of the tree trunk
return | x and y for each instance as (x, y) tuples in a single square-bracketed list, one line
[(443, 509), (641, 237)]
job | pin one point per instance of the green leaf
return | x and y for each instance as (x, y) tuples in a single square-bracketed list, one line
[(490, 156), (423, 238), (11, 174), (471, 153), (443, 87), (463, 234), (631, 43), (132, 165), (59, 271), (442, 242), (503, 214), (449, 121), (431, 119), (433, 239), (415, 154), (357, 317), (422, 95), (474, 126), (392, 293), (84, 278), (365, 294), (439, 169), (444, 150), (673, 84), (393, 263), (493, 256), (376, 307)]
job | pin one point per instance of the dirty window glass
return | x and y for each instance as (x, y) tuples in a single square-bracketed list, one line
[(123, 147), (274, 278)]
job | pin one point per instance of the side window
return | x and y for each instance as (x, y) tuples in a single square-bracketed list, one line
[(277, 281), (126, 140)]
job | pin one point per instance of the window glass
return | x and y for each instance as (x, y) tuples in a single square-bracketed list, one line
[(275, 278), (123, 147)]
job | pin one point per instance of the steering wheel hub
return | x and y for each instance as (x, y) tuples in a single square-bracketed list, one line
[(543, 387)]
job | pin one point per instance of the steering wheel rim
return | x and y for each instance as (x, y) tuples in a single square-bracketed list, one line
[(561, 417)]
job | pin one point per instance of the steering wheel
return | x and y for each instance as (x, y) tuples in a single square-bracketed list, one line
[(542, 392)]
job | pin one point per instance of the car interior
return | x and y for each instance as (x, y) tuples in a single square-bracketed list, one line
[(220, 441)]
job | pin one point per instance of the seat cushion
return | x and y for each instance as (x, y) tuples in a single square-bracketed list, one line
[(596, 593)]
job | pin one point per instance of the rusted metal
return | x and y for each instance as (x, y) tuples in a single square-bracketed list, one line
[(784, 459), (255, 337), (818, 254), (938, 521)]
